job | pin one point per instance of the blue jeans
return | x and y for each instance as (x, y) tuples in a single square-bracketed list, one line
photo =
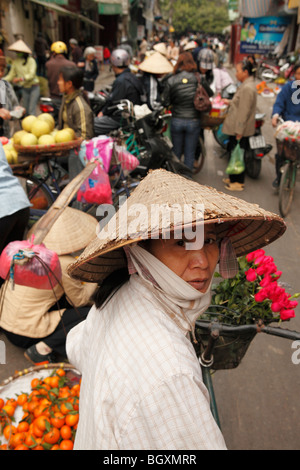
[(31, 98), (185, 135)]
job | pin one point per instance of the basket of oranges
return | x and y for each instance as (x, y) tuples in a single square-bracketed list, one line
[(39, 408)]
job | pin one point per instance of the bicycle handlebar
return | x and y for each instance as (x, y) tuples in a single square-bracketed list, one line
[(222, 328)]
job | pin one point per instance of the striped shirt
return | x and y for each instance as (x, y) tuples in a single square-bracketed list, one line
[(142, 385)]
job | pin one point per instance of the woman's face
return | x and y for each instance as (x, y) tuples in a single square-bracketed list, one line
[(90, 57), (241, 74), (193, 266), (297, 74)]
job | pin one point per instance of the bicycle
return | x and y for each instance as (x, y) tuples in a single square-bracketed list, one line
[(222, 346), (290, 152)]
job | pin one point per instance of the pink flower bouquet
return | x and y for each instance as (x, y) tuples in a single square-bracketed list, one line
[(253, 294)]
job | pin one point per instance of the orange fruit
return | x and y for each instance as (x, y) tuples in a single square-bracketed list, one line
[(21, 447), (60, 372), (54, 381), (58, 420), (41, 422), (9, 409), (72, 419), (23, 426), (1, 403), (22, 399), (66, 432), (8, 431), (17, 439), (52, 436), (34, 383), (66, 444), (37, 431)]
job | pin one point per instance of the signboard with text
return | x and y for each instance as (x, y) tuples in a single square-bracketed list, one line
[(262, 35)]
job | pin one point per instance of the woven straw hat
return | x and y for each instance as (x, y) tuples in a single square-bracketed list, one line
[(249, 226), (190, 46), (72, 231), (20, 46), (161, 47), (156, 63)]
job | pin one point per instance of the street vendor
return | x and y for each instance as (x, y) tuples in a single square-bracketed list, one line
[(142, 384), (74, 112), (287, 106), (39, 319)]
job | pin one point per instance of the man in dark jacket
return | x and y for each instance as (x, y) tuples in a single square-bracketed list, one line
[(125, 87)]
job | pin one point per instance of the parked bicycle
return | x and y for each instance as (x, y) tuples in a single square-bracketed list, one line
[(291, 156)]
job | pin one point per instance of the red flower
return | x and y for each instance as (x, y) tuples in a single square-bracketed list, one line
[(250, 275), (287, 314), (261, 295), (266, 281), (254, 254)]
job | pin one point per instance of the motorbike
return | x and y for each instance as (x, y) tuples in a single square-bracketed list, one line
[(256, 147), (155, 148), (269, 71)]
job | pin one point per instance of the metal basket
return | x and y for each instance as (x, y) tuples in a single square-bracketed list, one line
[(229, 349)]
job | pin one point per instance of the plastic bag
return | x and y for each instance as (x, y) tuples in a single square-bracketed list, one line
[(128, 161), (99, 148), (96, 189), (236, 163), (30, 265)]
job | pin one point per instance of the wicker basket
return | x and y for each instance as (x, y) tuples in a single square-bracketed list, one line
[(288, 149), (33, 151), (229, 348), (210, 122)]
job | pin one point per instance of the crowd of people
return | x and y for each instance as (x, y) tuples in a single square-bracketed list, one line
[(129, 328)]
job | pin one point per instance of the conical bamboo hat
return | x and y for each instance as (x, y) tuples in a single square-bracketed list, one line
[(156, 63), (249, 226), (72, 231), (20, 46), (161, 47)]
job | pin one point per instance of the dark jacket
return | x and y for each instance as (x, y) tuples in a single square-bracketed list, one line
[(91, 72), (179, 92), (76, 113), (53, 67), (125, 87)]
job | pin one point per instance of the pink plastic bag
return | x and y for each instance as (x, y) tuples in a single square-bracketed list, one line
[(128, 161), (96, 189), (40, 267), (97, 149)]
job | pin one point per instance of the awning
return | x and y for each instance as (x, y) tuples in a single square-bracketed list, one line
[(63, 11)]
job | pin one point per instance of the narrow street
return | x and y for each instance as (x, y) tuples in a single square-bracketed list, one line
[(257, 401)]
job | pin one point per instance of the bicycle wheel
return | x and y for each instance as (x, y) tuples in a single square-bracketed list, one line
[(199, 156), (252, 164), (286, 188), (38, 194)]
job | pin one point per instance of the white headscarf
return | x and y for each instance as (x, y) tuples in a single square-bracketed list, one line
[(182, 302)]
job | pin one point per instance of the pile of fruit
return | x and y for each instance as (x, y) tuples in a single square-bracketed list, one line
[(50, 414), (39, 130)]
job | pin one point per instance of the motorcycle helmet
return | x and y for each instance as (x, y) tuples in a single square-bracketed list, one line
[(119, 58), (59, 47)]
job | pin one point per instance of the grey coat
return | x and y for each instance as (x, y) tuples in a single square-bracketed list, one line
[(240, 119)]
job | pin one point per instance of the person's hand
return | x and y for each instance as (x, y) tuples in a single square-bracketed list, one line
[(5, 114), (226, 101), (275, 120), (80, 64), (100, 114)]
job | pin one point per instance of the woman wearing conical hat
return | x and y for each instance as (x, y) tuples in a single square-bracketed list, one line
[(39, 319), (23, 75), (141, 384), (154, 68)]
